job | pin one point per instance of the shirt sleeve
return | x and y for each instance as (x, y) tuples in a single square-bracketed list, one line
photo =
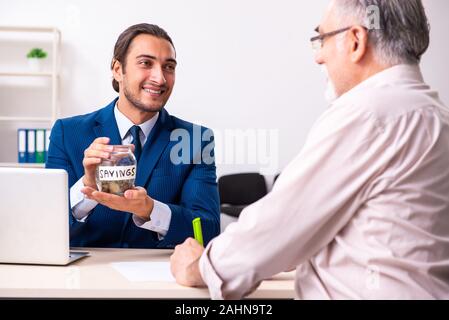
[(313, 199), (160, 219), (81, 206)]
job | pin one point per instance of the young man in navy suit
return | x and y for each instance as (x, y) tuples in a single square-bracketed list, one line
[(169, 193)]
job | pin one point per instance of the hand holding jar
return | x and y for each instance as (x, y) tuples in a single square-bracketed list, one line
[(135, 201), (109, 176), (109, 168), (97, 151)]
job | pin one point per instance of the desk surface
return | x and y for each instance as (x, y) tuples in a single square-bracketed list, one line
[(94, 277)]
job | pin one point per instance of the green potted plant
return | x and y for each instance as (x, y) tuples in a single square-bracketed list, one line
[(35, 57)]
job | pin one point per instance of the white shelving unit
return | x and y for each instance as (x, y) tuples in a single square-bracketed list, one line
[(21, 165), (53, 74)]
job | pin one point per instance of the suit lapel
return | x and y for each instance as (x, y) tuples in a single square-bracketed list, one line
[(107, 125), (154, 146)]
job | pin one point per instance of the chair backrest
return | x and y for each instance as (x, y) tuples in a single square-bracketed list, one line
[(241, 188)]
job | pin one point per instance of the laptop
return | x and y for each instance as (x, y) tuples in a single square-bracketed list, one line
[(34, 217)]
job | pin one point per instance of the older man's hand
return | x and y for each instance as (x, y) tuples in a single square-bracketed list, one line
[(184, 263)]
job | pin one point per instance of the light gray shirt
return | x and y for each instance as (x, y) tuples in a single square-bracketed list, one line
[(362, 212)]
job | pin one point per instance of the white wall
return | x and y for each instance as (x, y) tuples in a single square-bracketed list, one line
[(242, 64)]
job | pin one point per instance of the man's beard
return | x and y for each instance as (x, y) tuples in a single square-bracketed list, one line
[(139, 105), (330, 94)]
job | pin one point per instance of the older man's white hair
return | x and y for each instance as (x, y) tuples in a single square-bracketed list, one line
[(398, 29)]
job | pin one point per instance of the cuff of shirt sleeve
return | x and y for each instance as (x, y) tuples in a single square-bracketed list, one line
[(209, 275), (76, 196), (80, 205), (160, 219)]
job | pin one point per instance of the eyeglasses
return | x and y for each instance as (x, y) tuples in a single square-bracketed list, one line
[(317, 42)]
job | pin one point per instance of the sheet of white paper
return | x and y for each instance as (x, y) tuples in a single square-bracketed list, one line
[(144, 271)]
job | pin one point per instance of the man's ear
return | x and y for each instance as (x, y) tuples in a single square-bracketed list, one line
[(359, 43), (117, 71)]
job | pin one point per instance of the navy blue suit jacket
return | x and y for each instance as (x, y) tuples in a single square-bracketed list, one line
[(189, 189)]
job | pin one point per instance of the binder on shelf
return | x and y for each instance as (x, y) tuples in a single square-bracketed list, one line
[(22, 145), (31, 146), (47, 142), (40, 146)]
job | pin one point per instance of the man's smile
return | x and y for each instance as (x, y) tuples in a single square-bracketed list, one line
[(154, 91)]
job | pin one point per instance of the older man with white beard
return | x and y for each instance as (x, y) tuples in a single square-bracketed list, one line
[(363, 211)]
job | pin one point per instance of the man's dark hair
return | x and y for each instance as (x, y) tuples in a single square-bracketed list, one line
[(125, 39)]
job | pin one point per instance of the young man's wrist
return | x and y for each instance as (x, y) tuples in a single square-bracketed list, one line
[(145, 214), (88, 183)]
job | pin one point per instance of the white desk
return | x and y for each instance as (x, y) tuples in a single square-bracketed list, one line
[(94, 277)]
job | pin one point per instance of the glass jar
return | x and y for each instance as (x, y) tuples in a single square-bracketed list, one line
[(117, 173)]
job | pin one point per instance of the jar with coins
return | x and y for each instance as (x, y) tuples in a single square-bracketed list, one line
[(117, 174)]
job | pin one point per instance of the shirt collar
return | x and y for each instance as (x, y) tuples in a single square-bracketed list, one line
[(399, 74), (124, 124)]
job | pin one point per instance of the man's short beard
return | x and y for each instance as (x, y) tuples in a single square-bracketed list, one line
[(330, 94), (140, 106)]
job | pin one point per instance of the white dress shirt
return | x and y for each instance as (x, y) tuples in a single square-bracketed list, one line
[(161, 214), (362, 212)]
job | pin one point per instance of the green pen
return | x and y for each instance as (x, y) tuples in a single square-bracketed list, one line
[(197, 232)]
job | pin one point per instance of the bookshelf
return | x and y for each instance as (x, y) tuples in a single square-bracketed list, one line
[(52, 74), (26, 74)]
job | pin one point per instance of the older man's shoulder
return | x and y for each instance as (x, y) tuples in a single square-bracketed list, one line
[(389, 102)]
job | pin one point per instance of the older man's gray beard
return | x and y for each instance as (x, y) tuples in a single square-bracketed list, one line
[(330, 94)]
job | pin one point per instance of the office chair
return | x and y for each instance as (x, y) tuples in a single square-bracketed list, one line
[(240, 190)]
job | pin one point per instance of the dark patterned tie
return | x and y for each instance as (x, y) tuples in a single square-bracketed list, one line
[(135, 132)]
